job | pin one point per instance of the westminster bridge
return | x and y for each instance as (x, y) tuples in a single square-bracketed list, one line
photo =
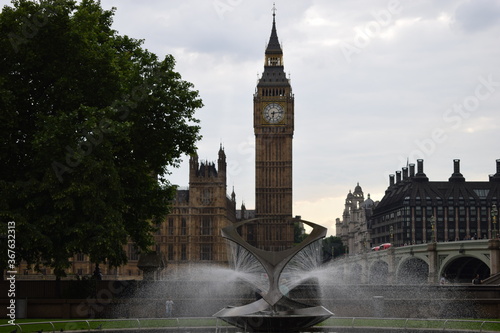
[(458, 262)]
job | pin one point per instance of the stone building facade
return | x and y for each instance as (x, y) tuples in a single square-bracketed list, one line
[(191, 233), (415, 210), (353, 228)]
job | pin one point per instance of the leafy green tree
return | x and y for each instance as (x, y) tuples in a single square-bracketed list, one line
[(299, 233), (90, 125), (332, 247)]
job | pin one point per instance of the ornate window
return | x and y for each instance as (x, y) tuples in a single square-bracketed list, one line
[(206, 252)]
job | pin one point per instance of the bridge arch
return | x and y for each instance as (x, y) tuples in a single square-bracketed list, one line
[(413, 270), (355, 273), (378, 273), (463, 268), (459, 260)]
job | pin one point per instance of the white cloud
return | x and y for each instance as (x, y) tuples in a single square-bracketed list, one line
[(477, 15), (481, 124)]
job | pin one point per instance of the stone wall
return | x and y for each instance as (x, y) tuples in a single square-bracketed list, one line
[(118, 299)]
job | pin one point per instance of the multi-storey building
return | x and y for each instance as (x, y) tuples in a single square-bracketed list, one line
[(353, 228), (415, 210)]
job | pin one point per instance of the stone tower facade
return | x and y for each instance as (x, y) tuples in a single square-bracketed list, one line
[(191, 232), (353, 228), (273, 128)]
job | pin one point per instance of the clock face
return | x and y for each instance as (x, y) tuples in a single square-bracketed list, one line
[(206, 197), (274, 113)]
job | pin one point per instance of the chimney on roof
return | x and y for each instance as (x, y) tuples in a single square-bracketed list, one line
[(405, 173), (420, 167), (391, 180), (412, 170), (398, 177), (420, 176), (496, 176), (456, 176)]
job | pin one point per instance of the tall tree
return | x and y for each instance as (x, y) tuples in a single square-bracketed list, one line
[(90, 125)]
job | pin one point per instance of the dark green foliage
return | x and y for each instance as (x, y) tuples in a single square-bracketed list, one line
[(90, 124), (299, 233), (332, 247)]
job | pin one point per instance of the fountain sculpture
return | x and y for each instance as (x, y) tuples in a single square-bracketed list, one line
[(274, 311)]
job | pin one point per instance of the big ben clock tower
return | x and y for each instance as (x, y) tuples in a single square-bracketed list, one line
[(273, 127)]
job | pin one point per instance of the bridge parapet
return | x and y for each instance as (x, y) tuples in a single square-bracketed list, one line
[(436, 257)]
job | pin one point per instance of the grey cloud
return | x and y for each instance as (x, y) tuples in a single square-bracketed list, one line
[(477, 15)]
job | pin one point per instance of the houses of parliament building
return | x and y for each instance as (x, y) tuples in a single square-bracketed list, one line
[(191, 233)]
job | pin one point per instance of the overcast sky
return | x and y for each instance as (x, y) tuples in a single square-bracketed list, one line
[(376, 83)]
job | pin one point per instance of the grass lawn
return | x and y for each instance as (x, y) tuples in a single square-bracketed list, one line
[(48, 325)]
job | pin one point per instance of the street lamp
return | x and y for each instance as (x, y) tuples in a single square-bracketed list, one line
[(494, 213), (432, 220)]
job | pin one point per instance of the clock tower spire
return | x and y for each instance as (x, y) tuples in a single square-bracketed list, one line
[(273, 128)]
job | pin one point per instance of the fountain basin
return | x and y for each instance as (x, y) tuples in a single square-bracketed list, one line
[(281, 321)]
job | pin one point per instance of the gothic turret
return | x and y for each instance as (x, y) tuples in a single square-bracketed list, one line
[(221, 162)]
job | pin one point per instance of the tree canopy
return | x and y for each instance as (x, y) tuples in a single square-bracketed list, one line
[(90, 125), (332, 247)]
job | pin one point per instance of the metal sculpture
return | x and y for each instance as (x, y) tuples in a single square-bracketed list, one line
[(274, 312)]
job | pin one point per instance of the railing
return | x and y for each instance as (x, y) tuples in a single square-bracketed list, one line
[(413, 324), (206, 324), (468, 245), (91, 325), (73, 277)]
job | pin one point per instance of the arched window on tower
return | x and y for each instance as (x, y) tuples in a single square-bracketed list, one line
[(274, 61)]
